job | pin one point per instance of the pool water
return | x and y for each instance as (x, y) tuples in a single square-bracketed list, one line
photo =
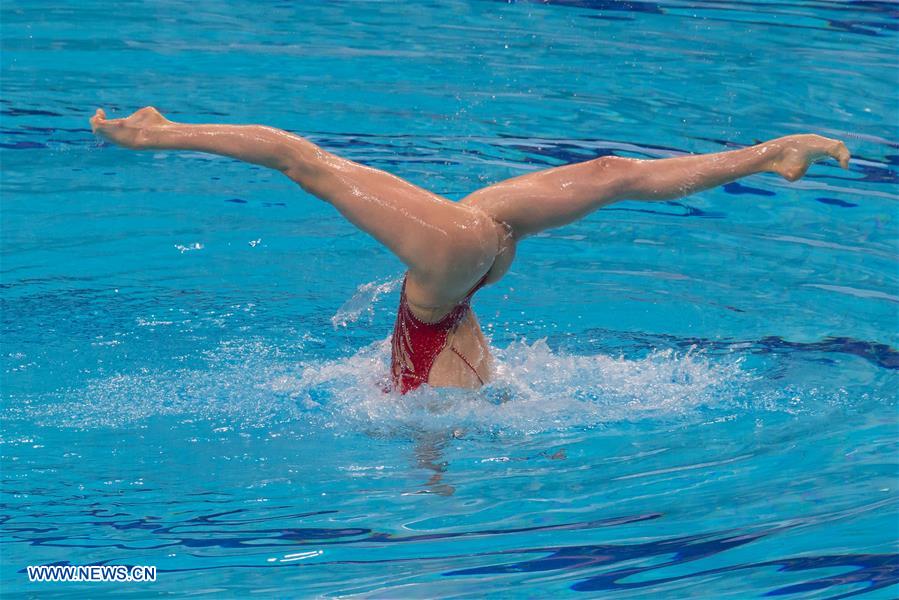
[(693, 398)]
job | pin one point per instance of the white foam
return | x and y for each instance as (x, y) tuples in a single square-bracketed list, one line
[(534, 389), (251, 384)]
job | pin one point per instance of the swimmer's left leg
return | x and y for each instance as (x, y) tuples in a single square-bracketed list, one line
[(554, 197), (447, 247)]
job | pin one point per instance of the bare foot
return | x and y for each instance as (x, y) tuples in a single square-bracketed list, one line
[(130, 132), (794, 154)]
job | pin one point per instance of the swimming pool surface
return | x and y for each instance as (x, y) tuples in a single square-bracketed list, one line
[(694, 398)]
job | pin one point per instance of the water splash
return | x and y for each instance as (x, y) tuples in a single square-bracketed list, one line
[(189, 248), (363, 302), (249, 383), (535, 389)]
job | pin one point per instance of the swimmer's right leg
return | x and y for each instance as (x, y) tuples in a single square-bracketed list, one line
[(447, 246), (554, 197)]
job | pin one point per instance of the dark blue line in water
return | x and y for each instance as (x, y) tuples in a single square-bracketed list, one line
[(688, 211), (23, 146), (880, 354), (871, 28), (861, 27), (684, 549), (889, 9), (215, 517), (611, 5), (877, 353), (557, 152), (879, 173), (610, 522), (19, 112), (878, 571), (836, 202), (611, 18), (214, 534), (738, 189)]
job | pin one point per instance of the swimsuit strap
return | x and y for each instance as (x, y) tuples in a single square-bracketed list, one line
[(470, 366)]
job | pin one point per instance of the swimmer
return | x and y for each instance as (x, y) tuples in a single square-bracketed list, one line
[(452, 249)]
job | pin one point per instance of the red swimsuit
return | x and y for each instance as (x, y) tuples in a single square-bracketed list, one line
[(416, 344)]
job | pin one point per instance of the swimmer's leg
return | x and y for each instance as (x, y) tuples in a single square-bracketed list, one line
[(446, 246), (554, 197)]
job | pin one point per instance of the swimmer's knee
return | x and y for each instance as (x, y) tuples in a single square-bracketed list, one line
[(616, 172)]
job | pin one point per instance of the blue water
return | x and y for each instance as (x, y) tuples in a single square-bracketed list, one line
[(694, 398)]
